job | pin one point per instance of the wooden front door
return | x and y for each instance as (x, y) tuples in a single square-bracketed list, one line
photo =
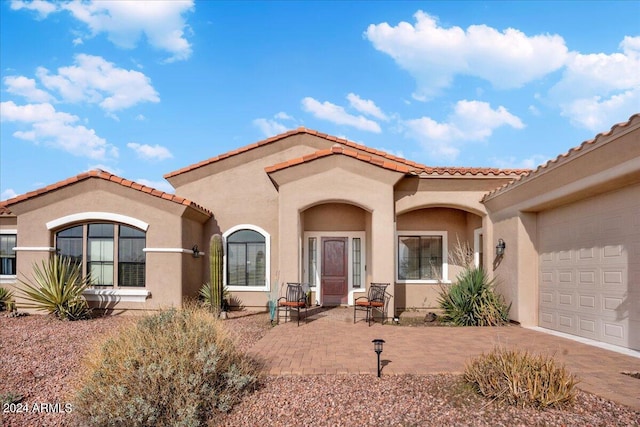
[(334, 278)]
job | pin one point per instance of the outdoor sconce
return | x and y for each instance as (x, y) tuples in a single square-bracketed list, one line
[(377, 347), (196, 251), (500, 247)]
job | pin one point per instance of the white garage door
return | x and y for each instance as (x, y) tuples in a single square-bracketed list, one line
[(590, 268)]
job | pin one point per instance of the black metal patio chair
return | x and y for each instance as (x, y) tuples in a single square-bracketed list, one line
[(375, 300), (294, 300)]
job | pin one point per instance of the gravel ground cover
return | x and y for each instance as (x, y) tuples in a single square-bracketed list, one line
[(40, 358)]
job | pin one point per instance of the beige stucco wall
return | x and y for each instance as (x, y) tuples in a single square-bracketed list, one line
[(165, 272), (238, 191)]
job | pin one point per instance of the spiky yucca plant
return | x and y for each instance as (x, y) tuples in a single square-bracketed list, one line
[(57, 288), (5, 296), (472, 301)]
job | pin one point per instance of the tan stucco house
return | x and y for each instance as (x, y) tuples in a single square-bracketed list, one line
[(308, 207)]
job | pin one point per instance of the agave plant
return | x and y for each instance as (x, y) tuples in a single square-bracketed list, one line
[(57, 289), (5, 296), (472, 301)]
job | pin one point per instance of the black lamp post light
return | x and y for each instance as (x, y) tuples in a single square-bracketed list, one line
[(500, 247), (377, 347)]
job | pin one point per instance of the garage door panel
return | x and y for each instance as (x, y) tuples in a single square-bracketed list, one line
[(589, 326), (567, 322), (589, 277)]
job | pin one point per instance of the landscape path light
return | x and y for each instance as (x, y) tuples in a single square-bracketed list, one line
[(377, 347)]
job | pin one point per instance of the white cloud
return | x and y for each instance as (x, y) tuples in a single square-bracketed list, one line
[(158, 185), (96, 81), (56, 129), (470, 121), (366, 106), (598, 89), (148, 152), (338, 115), (9, 193), (77, 41), (270, 127), (43, 8), (283, 116), (22, 86), (433, 55), (161, 22)]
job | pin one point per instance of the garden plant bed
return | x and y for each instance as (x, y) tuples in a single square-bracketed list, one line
[(41, 358)]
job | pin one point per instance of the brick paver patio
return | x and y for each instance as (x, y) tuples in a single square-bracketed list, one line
[(329, 343)]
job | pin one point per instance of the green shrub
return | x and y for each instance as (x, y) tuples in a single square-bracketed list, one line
[(174, 368), (521, 379), (57, 289), (473, 301), (5, 297)]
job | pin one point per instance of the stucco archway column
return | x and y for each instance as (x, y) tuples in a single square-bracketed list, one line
[(383, 250), (289, 244)]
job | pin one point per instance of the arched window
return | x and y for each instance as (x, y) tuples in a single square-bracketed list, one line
[(247, 258), (112, 253)]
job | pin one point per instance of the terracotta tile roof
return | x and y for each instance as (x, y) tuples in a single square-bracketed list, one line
[(97, 173), (4, 210), (337, 149), (412, 166), (463, 171), (300, 130), (569, 155)]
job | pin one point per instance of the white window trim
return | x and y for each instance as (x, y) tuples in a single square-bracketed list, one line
[(9, 278), (350, 235), (476, 247), (267, 244), (97, 216), (445, 257), (116, 295)]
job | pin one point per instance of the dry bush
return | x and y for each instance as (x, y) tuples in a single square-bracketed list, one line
[(174, 368), (521, 379)]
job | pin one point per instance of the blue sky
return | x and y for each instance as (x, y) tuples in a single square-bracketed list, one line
[(144, 88)]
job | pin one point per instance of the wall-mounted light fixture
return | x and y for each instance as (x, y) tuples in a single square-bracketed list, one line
[(500, 247), (196, 251)]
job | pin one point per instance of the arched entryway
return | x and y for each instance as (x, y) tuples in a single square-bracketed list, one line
[(334, 251), (428, 243)]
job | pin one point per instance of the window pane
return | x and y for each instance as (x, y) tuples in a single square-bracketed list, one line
[(246, 236), (7, 254), (236, 263), (420, 257), (246, 259), (101, 273), (408, 258), (100, 250), (357, 263), (100, 230), (69, 244), (71, 232), (131, 257), (313, 261), (100, 256), (255, 264)]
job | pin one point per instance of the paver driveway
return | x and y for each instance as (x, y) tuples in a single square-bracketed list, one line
[(329, 343)]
